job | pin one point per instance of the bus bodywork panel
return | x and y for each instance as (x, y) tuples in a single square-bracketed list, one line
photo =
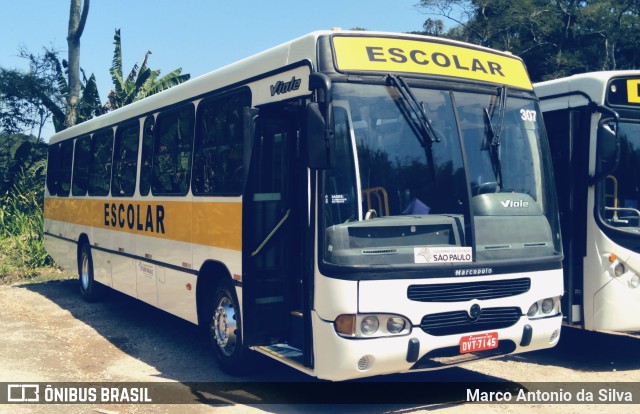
[(611, 302), (339, 358)]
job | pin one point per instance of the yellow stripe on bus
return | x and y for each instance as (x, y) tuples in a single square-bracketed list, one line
[(211, 224), (413, 56)]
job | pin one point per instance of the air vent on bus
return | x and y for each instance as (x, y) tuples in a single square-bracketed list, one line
[(457, 322), (461, 292), (542, 244), (379, 251), (502, 247)]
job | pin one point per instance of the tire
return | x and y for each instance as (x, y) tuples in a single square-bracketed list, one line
[(90, 290), (225, 331)]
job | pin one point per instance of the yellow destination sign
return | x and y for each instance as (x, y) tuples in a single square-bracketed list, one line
[(633, 90), (381, 54)]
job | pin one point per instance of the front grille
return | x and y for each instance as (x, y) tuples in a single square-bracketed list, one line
[(462, 292), (457, 322)]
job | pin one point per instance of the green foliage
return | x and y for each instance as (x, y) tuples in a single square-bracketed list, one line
[(21, 108), (88, 104), (554, 38), (19, 153), (141, 80), (28, 99), (22, 175)]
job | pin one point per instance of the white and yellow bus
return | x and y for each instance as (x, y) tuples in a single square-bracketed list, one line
[(593, 122), (349, 203)]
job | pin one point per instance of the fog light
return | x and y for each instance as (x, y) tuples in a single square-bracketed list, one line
[(533, 309), (618, 269), (634, 282), (554, 335), (395, 324), (547, 305), (369, 325)]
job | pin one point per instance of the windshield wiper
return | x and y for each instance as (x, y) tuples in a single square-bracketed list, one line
[(416, 117), (414, 112), (494, 144), (502, 109)]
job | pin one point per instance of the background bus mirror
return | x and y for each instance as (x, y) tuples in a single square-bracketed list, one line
[(607, 148), (320, 137)]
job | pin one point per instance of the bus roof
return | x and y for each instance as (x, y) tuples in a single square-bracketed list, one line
[(300, 49), (593, 84)]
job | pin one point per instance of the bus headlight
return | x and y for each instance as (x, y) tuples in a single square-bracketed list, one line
[(395, 324), (547, 305), (544, 308), (634, 281), (371, 325), (618, 269)]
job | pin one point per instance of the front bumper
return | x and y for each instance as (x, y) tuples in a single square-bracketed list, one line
[(338, 358)]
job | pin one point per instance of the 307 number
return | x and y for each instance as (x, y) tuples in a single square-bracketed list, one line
[(528, 115)]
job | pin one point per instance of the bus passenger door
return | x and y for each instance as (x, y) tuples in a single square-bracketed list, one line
[(272, 239)]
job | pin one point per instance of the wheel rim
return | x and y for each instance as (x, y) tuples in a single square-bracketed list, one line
[(224, 326), (84, 272)]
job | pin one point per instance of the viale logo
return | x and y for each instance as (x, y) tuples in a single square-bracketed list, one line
[(514, 204), (284, 87)]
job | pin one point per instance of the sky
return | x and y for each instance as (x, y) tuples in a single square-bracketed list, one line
[(195, 35)]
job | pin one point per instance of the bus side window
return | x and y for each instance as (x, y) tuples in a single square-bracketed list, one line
[(218, 166), (125, 159), (81, 161), (147, 156), (172, 152), (64, 173), (100, 166), (52, 169)]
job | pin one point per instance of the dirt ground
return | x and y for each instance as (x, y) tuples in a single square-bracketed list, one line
[(48, 334)]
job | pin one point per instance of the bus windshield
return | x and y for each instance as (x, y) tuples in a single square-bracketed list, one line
[(475, 187), (620, 206)]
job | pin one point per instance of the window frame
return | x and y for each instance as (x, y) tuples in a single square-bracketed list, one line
[(93, 166), (242, 98), (82, 191), (188, 108), (117, 161)]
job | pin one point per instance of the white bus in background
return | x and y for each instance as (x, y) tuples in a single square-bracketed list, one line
[(593, 124), (348, 203)]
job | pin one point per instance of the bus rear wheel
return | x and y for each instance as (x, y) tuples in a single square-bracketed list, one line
[(90, 290), (225, 331)]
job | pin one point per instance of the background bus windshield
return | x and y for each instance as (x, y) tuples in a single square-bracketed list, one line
[(406, 186)]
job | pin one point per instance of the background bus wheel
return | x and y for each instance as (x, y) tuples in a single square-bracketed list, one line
[(89, 288), (225, 331)]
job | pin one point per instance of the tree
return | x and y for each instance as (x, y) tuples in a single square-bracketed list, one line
[(29, 99), (19, 153), (46, 86), (20, 109), (77, 20), (141, 81), (554, 37)]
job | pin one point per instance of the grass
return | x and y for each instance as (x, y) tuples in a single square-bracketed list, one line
[(22, 252)]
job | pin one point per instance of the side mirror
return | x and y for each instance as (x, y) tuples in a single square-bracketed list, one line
[(321, 141), (607, 148), (320, 137)]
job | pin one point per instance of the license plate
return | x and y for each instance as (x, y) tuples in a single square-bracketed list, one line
[(482, 342)]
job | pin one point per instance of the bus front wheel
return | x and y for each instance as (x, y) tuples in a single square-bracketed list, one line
[(225, 331), (89, 288)]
